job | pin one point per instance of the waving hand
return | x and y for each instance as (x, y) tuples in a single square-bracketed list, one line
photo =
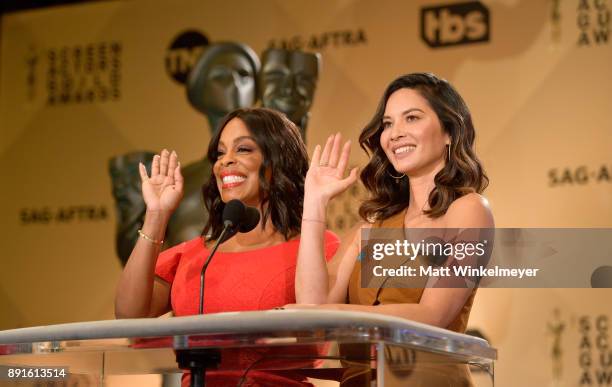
[(162, 191), (325, 178)]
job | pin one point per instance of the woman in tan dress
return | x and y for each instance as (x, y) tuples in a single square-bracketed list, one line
[(422, 173)]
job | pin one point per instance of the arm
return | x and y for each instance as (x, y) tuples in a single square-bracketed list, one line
[(426, 313), (138, 293), (438, 306), (324, 180)]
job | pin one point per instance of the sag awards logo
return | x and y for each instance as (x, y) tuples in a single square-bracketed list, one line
[(183, 53), (556, 327), (593, 21), (581, 175), (455, 24), (75, 74), (63, 215), (595, 356), (321, 41)]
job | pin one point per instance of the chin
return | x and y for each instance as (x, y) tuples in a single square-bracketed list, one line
[(228, 198), (406, 168), (419, 170), (245, 201)]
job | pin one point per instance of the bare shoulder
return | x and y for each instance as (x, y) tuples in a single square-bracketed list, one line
[(471, 210)]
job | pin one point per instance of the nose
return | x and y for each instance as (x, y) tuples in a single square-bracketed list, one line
[(396, 131), (227, 159)]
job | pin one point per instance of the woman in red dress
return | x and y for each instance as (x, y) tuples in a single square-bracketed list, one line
[(259, 158)]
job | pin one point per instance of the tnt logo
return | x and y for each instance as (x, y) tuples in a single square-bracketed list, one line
[(183, 53), (455, 24)]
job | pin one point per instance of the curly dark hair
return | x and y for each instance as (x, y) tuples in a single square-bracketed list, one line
[(284, 154), (462, 174)]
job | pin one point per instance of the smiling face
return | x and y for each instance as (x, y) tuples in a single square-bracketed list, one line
[(412, 136), (236, 169)]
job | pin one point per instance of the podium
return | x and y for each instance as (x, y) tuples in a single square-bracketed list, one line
[(349, 348)]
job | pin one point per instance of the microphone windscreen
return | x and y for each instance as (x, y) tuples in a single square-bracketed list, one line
[(250, 220), (233, 213)]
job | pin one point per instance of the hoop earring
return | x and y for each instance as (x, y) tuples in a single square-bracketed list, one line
[(397, 178), (449, 155)]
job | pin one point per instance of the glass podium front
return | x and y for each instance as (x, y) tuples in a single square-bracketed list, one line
[(263, 348)]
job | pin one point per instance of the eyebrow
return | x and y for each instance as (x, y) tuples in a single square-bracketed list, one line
[(408, 111), (238, 139)]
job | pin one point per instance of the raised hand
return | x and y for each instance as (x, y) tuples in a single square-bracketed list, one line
[(325, 178), (163, 191)]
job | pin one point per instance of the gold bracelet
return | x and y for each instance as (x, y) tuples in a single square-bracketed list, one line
[(154, 241)]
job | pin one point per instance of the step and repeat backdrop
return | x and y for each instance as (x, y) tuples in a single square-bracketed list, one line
[(81, 85)]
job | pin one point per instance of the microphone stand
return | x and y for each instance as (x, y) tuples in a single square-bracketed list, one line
[(198, 360), (203, 272)]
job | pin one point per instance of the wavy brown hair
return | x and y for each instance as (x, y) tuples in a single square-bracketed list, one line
[(284, 154), (462, 174)]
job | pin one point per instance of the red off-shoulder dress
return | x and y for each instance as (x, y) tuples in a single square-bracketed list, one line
[(258, 279)]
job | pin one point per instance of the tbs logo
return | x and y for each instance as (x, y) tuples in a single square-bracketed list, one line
[(455, 24)]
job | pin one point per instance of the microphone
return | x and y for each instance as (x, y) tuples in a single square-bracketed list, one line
[(247, 221), (233, 214), (250, 220), (236, 218)]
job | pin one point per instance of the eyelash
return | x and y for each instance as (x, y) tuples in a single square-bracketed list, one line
[(409, 118), (240, 149)]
